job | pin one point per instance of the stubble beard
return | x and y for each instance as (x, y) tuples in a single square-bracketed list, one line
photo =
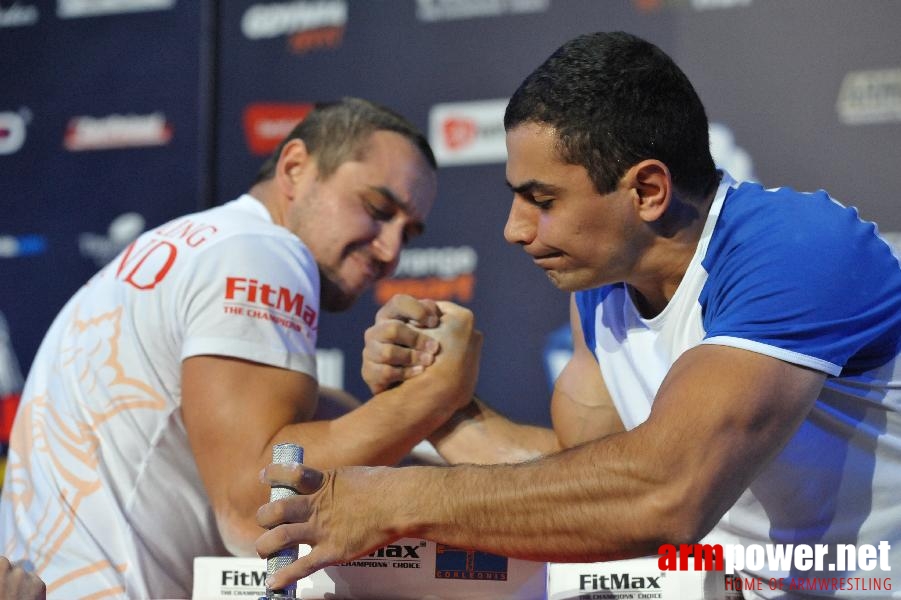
[(332, 297)]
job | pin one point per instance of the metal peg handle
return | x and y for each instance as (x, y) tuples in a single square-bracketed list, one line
[(283, 453)]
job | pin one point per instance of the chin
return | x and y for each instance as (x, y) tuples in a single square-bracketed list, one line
[(569, 282), (332, 298)]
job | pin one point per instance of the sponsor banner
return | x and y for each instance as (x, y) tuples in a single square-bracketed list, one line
[(870, 97), (19, 15), (407, 569), (13, 130), (455, 10), (434, 273), (468, 132), (73, 9), (308, 24), (117, 131), (267, 124)]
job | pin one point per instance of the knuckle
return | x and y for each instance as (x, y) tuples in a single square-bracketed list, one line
[(385, 354)]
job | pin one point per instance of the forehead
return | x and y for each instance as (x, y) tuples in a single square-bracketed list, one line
[(392, 164), (532, 156)]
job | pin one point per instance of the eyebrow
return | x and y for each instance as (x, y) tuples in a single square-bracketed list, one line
[(533, 187), (418, 226)]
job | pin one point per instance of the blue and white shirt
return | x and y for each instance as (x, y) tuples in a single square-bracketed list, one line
[(799, 277)]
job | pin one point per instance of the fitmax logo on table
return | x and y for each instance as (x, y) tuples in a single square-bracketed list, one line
[(399, 556)]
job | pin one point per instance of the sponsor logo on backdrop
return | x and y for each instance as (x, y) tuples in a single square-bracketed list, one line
[(117, 131), (102, 248), (19, 15), (870, 97), (308, 24), (728, 155), (266, 125), (15, 246), (454, 10), (12, 131), (435, 273), (649, 6), (456, 563), (466, 133), (72, 9)]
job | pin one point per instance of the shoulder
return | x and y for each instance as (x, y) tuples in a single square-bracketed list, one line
[(801, 272), (805, 236)]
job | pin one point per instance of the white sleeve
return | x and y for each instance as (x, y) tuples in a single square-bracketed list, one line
[(255, 297)]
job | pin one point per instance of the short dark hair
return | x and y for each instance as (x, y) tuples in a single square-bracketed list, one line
[(614, 100), (335, 132)]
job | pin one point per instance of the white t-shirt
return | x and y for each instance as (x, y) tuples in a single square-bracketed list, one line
[(801, 278), (102, 493)]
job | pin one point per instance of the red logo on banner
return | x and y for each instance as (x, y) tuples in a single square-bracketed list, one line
[(459, 132), (266, 125), (117, 131), (324, 37)]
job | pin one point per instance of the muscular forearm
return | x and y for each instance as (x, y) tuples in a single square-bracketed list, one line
[(379, 432), (594, 502), (477, 434)]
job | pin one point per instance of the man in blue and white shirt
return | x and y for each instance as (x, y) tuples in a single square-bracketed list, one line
[(735, 374)]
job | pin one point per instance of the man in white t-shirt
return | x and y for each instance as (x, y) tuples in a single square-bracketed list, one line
[(157, 395)]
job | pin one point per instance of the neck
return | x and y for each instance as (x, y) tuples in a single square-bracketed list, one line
[(663, 266), (264, 192)]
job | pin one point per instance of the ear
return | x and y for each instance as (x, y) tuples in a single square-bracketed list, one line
[(293, 162), (653, 186)]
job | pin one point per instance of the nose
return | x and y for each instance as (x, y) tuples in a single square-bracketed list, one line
[(387, 245), (520, 226)]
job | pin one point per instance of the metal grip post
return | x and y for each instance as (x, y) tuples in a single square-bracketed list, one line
[(283, 453)]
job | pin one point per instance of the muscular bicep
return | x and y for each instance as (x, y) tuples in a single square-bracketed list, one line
[(581, 407), (232, 409), (720, 415)]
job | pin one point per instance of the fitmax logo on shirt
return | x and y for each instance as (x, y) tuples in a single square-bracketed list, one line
[(250, 291)]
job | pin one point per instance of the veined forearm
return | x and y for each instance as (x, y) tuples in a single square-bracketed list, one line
[(584, 504)]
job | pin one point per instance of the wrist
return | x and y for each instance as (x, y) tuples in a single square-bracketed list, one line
[(410, 515), (465, 415)]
